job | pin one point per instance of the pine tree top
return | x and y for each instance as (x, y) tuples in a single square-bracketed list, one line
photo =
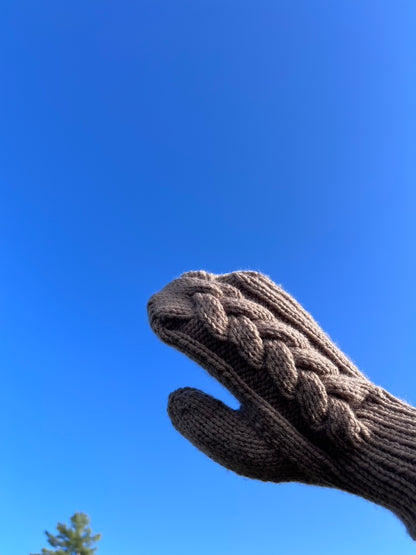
[(75, 539)]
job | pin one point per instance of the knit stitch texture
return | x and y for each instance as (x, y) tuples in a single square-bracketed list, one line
[(307, 413)]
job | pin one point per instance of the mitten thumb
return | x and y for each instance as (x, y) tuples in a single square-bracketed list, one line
[(227, 437)]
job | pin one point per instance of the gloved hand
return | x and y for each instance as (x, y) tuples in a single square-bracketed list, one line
[(307, 413)]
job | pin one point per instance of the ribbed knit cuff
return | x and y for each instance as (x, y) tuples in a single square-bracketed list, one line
[(384, 469)]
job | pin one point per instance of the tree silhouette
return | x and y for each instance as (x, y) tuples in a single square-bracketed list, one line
[(73, 540)]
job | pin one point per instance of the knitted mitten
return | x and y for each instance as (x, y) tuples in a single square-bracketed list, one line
[(307, 413)]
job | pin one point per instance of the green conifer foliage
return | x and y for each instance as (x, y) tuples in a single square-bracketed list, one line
[(75, 539)]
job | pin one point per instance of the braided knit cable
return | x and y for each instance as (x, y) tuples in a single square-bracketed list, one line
[(327, 399)]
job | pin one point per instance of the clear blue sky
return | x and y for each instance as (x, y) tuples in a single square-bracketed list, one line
[(142, 139)]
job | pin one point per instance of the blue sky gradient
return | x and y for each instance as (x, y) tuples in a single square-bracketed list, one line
[(142, 139)]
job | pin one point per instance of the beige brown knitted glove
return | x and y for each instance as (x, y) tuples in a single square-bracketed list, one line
[(307, 413)]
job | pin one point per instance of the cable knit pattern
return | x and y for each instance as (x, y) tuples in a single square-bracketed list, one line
[(307, 413), (326, 399)]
